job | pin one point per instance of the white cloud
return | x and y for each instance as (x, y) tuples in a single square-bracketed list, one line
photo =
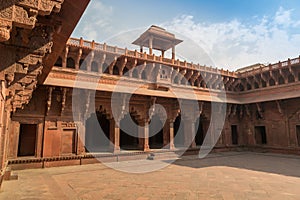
[(283, 17), (230, 45), (96, 21), (234, 44)]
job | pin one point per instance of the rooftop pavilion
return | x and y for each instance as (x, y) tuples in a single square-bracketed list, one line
[(159, 39)]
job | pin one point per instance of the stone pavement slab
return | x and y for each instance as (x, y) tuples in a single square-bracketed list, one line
[(231, 175)]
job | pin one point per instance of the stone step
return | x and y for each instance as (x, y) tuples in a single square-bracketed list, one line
[(9, 175)]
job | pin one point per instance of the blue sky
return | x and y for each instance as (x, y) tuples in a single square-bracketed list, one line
[(224, 33)]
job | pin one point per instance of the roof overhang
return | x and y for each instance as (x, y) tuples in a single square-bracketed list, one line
[(161, 39), (69, 15)]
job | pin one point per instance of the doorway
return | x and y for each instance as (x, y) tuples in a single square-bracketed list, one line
[(234, 135), (260, 135), (27, 140), (199, 136), (156, 137), (97, 133), (178, 132), (129, 139)]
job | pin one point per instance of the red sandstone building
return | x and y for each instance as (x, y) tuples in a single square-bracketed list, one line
[(41, 126)]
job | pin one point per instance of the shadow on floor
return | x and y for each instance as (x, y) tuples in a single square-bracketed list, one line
[(288, 165)]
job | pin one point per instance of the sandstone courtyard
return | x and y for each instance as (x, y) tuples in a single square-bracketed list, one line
[(229, 175)]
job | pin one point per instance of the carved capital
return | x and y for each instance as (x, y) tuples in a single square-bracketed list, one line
[(5, 28)]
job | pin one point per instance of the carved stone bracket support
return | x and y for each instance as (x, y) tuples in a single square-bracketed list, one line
[(229, 110), (279, 107), (201, 105), (122, 65), (63, 101), (259, 110), (49, 100), (111, 66), (23, 14), (86, 112), (152, 107), (247, 110)]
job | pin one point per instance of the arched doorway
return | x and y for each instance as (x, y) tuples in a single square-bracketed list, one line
[(97, 133), (199, 130), (129, 133), (178, 132), (58, 62), (94, 66), (134, 73), (70, 63), (156, 139), (82, 64)]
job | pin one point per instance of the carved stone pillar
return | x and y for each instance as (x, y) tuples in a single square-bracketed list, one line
[(4, 117), (168, 137), (64, 59), (78, 58), (114, 135), (4, 138), (173, 52), (150, 45), (143, 133), (80, 138)]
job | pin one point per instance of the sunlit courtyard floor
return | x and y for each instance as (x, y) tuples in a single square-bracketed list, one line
[(232, 175)]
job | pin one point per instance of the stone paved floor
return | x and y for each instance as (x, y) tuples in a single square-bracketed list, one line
[(233, 175)]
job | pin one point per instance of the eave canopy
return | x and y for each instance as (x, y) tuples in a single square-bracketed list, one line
[(161, 39)]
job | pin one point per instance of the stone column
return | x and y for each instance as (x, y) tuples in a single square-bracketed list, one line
[(64, 59), (78, 58), (114, 135), (150, 45), (166, 133), (250, 134), (80, 138), (144, 136), (227, 135), (168, 136), (39, 139), (4, 130), (173, 52)]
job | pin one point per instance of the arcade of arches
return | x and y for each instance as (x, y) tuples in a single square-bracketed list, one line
[(40, 126)]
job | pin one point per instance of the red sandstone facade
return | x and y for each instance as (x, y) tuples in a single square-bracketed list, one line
[(262, 106), (32, 35), (39, 129)]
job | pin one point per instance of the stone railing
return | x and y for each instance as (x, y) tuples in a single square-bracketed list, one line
[(129, 53), (253, 77), (265, 68)]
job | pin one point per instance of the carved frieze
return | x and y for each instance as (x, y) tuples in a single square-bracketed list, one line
[(5, 28), (68, 124), (24, 14)]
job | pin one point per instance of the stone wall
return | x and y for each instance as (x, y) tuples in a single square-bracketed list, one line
[(59, 135)]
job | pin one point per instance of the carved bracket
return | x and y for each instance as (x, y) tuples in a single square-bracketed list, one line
[(49, 100), (259, 110)]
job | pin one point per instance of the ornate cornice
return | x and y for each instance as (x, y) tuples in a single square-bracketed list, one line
[(26, 38)]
